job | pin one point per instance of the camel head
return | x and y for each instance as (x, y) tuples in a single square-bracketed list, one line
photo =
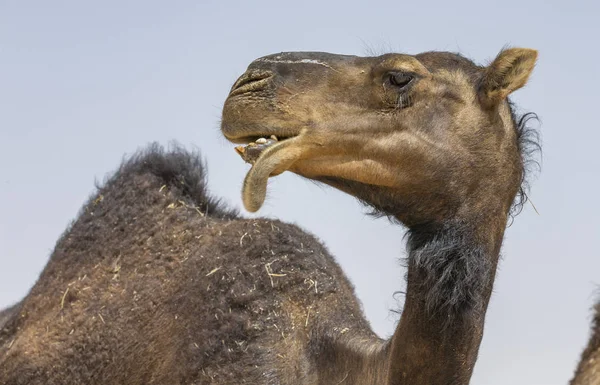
[(420, 138)]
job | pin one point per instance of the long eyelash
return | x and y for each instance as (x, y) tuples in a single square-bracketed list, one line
[(400, 103), (403, 101)]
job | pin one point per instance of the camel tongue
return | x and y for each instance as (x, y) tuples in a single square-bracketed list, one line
[(273, 161)]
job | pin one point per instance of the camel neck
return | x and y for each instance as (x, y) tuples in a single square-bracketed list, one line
[(451, 270)]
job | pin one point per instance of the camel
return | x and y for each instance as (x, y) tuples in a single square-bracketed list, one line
[(7, 313), (588, 369), (157, 282)]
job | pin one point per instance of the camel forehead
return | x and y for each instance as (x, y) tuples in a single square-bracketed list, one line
[(449, 62)]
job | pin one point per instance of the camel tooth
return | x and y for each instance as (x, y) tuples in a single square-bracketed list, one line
[(274, 138), (261, 140)]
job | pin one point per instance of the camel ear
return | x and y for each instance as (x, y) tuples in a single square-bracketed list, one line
[(507, 73)]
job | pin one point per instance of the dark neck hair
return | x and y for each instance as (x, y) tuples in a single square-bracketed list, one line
[(452, 268)]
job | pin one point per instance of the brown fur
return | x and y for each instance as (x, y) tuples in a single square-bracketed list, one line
[(157, 283), (7, 314), (154, 283), (588, 369)]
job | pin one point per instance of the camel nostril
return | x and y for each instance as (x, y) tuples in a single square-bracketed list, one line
[(251, 81)]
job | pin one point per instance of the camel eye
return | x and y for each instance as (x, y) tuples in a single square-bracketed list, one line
[(399, 79)]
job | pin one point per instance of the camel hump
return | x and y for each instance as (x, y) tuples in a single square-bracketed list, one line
[(7, 314), (181, 171)]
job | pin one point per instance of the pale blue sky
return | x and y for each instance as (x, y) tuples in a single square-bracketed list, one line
[(82, 84)]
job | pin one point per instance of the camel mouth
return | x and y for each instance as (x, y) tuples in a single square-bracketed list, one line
[(256, 145), (268, 157)]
